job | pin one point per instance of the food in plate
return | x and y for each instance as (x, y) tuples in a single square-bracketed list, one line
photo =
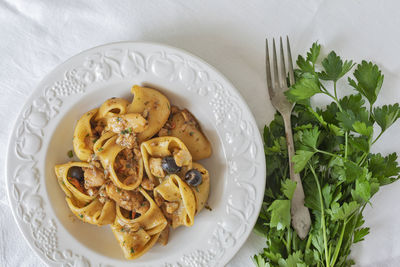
[(137, 170)]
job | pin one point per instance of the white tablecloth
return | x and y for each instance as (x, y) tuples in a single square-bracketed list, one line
[(36, 36)]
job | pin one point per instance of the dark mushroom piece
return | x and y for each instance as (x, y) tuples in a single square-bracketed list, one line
[(168, 164), (193, 177), (76, 172)]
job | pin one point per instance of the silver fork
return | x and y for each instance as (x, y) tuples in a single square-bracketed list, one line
[(301, 220)]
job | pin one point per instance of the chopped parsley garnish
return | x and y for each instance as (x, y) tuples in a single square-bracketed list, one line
[(191, 133), (70, 154), (100, 149), (119, 119), (87, 135), (126, 131), (132, 250), (80, 215), (95, 140)]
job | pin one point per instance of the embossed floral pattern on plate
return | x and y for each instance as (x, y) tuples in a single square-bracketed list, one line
[(242, 192)]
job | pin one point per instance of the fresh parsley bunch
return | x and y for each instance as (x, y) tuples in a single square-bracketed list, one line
[(339, 173)]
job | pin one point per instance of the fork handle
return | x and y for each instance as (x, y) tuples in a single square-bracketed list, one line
[(301, 220)]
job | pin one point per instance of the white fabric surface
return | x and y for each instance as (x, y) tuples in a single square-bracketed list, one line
[(36, 36)]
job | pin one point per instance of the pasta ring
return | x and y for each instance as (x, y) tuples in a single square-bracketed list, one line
[(173, 189), (82, 136), (161, 147), (69, 189), (95, 212), (108, 154), (112, 107), (202, 191), (154, 104)]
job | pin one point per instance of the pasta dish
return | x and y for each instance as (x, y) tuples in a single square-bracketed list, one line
[(137, 169)]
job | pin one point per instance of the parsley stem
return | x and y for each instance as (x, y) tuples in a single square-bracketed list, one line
[(345, 144), (330, 154), (334, 89), (294, 241), (271, 256), (322, 214), (289, 241), (376, 139), (325, 91), (371, 114), (350, 240), (309, 241), (339, 244), (362, 158)]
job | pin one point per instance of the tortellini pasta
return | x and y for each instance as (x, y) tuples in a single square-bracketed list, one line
[(177, 201), (111, 107), (111, 155), (137, 235), (136, 171), (154, 106), (84, 203), (202, 191), (183, 124), (84, 136), (154, 150)]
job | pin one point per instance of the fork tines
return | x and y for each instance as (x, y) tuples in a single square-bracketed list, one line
[(280, 80)]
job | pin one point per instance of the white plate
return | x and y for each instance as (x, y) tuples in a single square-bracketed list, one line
[(43, 134)]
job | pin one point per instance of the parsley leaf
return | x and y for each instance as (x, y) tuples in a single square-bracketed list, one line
[(300, 159), (385, 169), (352, 102), (293, 260), (362, 128), (369, 80), (338, 212), (280, 214), (348, 119), (304, 64), (288, 187), (362, 191), (305, 88), (334, 68), (313, 54), (359, 143), (386, 115), (311, 194), (309, 138), (359, 234), (260, 262)]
